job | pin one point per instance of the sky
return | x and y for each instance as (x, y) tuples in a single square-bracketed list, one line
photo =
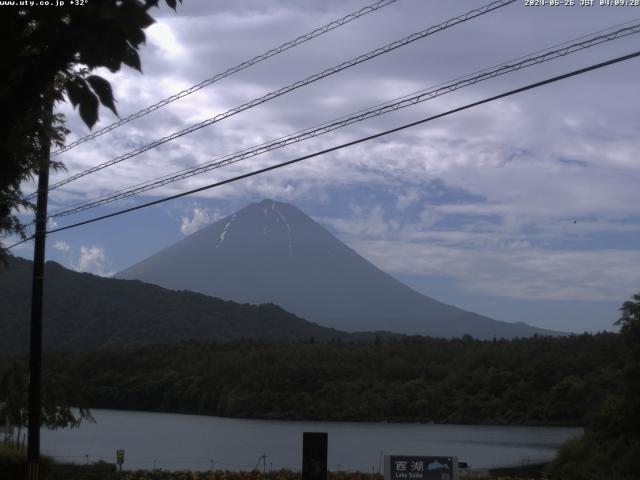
[(523, 209)]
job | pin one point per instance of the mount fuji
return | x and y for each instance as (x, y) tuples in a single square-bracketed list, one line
[(271, 252)]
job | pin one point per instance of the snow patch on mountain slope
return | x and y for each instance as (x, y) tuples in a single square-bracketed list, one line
[(224, 231), (284, 219)]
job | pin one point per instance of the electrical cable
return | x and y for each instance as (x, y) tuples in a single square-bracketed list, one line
[(349, 144), (284, 90), (246, 64), (486, 69), (405, 101)]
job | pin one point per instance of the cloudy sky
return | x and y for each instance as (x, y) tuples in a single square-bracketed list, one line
[(525, 209)]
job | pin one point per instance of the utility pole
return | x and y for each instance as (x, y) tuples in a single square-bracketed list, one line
[(35, 345)]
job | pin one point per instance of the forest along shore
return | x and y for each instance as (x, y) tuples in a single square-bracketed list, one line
[(533, 381)]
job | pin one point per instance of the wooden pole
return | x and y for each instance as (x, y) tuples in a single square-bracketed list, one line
[(37, 289)]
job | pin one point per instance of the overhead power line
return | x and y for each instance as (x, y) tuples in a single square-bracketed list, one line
[(403, 102), (300, 83), (246, 64), (349, 144)]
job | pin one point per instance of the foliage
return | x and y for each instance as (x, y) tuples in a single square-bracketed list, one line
[(95, 471), (630, 321), (20, 160), (84, 311), (592, 457), (49, 53), (530, 471), (543, 380), (14, 386), (13, 464), (59, 395), (610, 447), (536, 381), (229, 475), (12, 467)]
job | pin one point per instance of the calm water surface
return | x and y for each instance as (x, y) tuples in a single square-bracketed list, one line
[(176, 442)]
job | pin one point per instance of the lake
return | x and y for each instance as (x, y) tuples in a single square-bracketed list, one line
[(175, 442)]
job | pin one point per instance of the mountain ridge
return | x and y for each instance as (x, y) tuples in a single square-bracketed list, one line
[(273, 252), (85, 311)]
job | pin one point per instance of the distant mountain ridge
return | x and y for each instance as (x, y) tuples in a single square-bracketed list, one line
[(271, 252), (84, 311)]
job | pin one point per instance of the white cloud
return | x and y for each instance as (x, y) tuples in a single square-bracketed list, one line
[(161, 35), (408, 198), (516, 272), (92, 259), (200, 218), (503, 255), (366, 222), (61, 246)]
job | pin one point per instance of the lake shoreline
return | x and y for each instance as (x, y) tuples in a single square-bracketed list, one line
[(179, 441), (347, 420)]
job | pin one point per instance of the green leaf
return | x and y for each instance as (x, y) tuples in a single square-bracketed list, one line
[(80, 94), (107, 11), (131, 58), (89, 109), (172, 3), (103, 49), (134, 13), (135, 35), (74, 91), (102, 88)]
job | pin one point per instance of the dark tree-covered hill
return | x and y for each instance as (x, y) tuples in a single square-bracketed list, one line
[(84, 311), (535, 381)]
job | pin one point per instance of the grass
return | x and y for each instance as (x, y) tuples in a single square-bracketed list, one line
[(13, 467)]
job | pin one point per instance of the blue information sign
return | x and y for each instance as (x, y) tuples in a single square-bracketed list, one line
[(406, 467)]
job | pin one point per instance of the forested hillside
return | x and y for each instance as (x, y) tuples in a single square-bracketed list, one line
[(83, 311), (535, 381)]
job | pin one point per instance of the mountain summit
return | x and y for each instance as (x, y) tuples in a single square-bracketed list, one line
[(271, 252)]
